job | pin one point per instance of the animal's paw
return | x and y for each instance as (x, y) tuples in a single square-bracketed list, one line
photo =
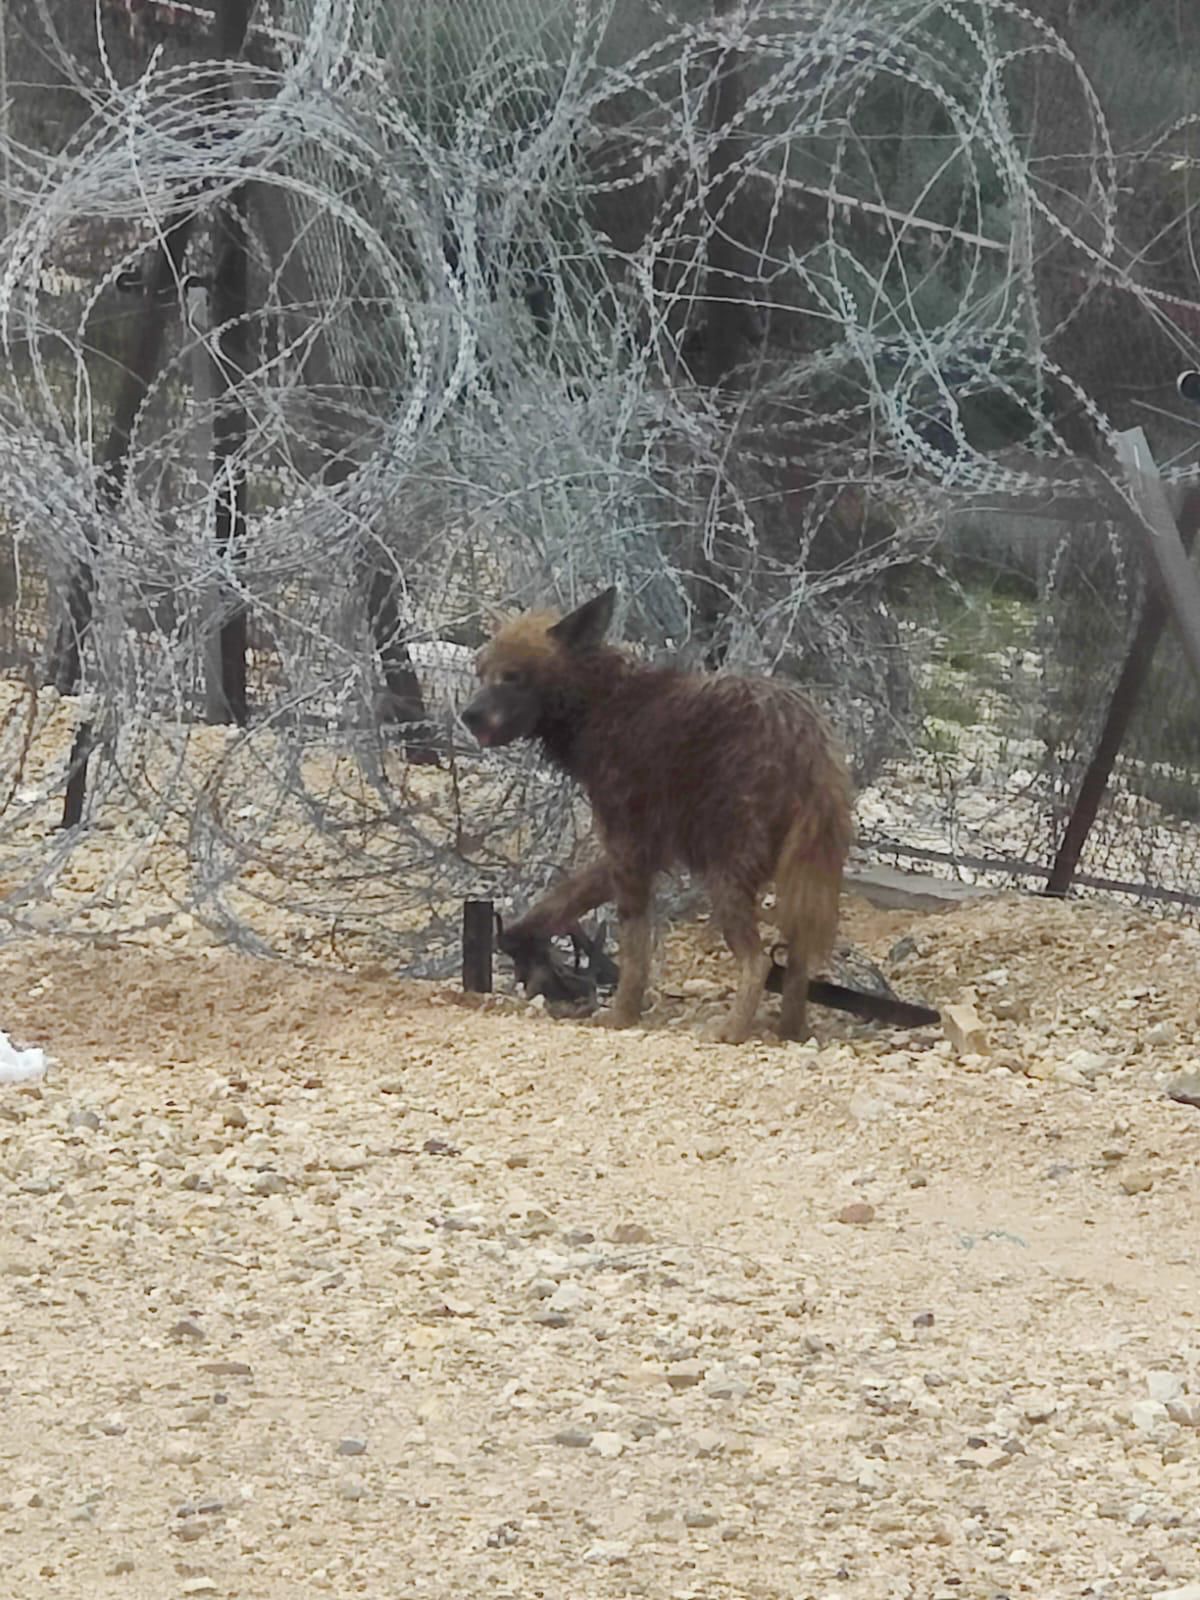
[(615, 1017), (723, 1031)]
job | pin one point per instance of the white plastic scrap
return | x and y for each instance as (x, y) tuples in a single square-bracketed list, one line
[(19, 1066)]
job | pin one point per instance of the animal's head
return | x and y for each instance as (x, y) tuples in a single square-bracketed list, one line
[(523, 669)]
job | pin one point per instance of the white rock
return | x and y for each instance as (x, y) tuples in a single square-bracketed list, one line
[(965, 1029), (608, 1553), (1164, 1386), (567, 1297), (1147, 1415), (1090, 1064)]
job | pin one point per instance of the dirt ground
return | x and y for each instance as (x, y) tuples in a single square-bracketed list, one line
[(321, 1283)]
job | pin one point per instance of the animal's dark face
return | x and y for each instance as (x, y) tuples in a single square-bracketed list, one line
[(526, 665), (508, 705)]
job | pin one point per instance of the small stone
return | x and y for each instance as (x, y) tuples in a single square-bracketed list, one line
[(345, 1160), (965, 1029), (1185, 1412), (708, 1442), (608, 1445), (1010, 1008), (197, 1586), (723, 1387), (1090, 1064), (352, 1488), (857, 1214), (270, 1183), (710, 1149), (188, 1328), (1067, 1072), (1137, 1180), (228, 1369), (552, 1319), (867, 1107), (1040, 1409), (1161, 1033), (923, 1319), (234, 1117), (700, 1519), (685, 1374), (45, 1183), (1185, 1089), (576, 1238), (352, 1447), (609, 1552), (1009, 1061), (631, 1233), (121, 1567), (991, 1458), (190, 1531), (573, 1438), (504, 1537), (84, 1118)]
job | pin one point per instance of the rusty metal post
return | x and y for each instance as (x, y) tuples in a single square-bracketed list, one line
[(1121, 708)]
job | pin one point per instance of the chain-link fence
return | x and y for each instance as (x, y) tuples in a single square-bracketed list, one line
[(808, 326)]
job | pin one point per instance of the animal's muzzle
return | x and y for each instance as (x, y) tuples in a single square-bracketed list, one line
[(481, 720)]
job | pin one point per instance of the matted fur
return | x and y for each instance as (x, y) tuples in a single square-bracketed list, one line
[(737, 779)]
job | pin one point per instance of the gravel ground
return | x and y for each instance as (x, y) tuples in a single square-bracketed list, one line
[(318, 1283)]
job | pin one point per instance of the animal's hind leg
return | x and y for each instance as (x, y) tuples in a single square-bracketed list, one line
[(793, 1013), (736, 911)]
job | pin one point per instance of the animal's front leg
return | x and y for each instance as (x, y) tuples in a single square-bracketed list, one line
[(563, 905)]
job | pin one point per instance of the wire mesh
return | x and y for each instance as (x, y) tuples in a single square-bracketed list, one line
[(808, 326)]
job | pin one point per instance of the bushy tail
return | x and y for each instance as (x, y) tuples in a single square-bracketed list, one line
[(808, 884)]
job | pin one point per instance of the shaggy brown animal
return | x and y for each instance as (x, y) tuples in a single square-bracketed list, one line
[(737, 779)]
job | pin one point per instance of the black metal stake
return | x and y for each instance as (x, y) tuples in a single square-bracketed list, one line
[(478, 927), (230, 306), (76, 790)]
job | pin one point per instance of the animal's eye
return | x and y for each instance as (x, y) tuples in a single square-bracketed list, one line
[(511, 675)]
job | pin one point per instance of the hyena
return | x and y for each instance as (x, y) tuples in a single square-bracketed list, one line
[(737, 779)]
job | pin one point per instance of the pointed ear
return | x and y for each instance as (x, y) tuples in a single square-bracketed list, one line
[(494, 616), (585, 627)]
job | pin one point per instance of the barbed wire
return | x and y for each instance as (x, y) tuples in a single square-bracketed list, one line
[(703, 303)]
